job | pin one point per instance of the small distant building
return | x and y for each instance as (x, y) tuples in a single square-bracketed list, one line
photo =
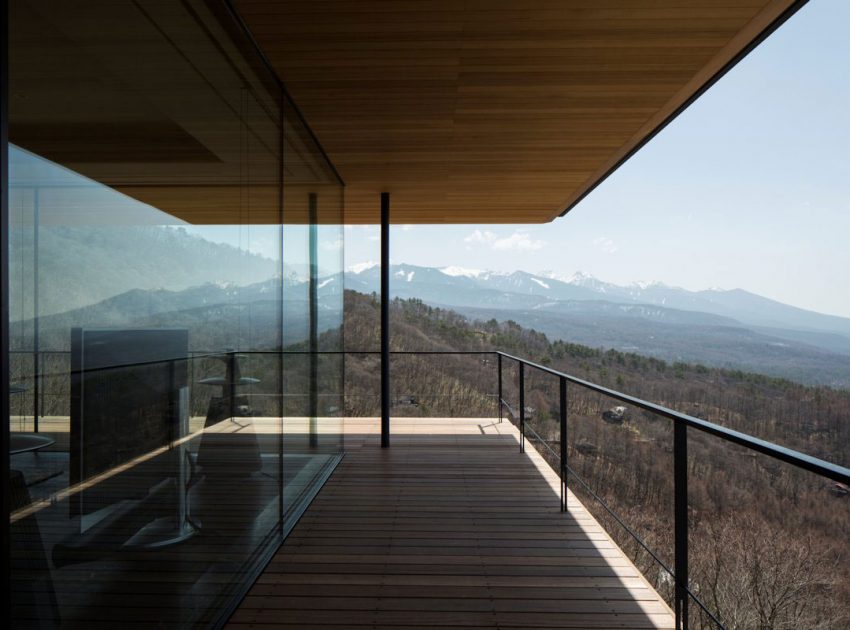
[(615, 415)]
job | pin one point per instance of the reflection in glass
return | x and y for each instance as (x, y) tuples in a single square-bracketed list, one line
[(170, 415)]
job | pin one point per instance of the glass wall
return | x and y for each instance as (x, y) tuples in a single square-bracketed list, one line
[(313, 264), (175, 248)]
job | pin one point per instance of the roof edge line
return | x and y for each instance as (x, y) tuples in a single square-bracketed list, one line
[(642, 138)]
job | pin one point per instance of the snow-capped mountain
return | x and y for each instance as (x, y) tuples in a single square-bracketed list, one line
[(460, 287)]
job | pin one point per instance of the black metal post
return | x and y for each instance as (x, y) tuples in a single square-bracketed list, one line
[(385, 319), (499, 367), (522, 407), (313, 203), (230, 375), (564, 469), (680, 520), (36, 343)]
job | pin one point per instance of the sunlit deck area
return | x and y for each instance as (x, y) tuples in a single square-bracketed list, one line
[(450, 527)]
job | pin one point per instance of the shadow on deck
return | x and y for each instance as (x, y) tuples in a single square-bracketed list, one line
[(451, 527)]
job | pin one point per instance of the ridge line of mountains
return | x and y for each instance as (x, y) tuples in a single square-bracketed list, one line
[(737, 329), (732, 329)]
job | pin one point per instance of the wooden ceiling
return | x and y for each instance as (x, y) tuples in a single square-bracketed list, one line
[(492, 111), (155, 101)]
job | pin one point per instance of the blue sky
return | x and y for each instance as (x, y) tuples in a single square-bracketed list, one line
[(749, 188)]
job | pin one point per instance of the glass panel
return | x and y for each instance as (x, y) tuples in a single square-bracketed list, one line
[(149, 307), (313, 363)]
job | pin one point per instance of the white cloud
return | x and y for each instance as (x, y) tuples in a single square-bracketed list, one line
[(373, 238), (480, 237), (333, 245), (407, 227), (605, 244), (520, 241)]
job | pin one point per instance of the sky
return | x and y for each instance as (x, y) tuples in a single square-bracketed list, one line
[(748, 188)]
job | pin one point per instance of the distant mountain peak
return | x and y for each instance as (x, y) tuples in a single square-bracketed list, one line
[(643, 285), (462, 271), (362, 266), (582, 279)]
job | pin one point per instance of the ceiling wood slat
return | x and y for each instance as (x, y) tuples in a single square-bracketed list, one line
[(497, 111)]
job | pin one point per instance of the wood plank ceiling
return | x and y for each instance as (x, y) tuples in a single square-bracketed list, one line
[(492, 111)]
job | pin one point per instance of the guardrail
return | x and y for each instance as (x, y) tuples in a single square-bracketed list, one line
[(681, 423)]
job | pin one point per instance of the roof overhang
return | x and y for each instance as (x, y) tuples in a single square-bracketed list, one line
[(494, 111)]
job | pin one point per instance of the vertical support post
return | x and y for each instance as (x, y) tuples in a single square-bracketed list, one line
[(680, 520), (499, 367), (385, 319), (522, 407), (281, 481), (36, 343), (313, 205), (564, 468), (4, 308), (232, 375)]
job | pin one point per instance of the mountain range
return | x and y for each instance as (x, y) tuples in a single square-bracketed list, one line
[(734, 328), (88, 276)]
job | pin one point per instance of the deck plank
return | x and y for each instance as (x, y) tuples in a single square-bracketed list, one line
[(451, 527)]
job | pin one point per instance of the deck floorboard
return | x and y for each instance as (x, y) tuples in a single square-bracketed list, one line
[(451, 527)]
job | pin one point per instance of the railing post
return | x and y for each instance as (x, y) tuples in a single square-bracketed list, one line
[(385, 319), (564, 469), (313, 413), (522, 407), (680, 520), (499, 365)]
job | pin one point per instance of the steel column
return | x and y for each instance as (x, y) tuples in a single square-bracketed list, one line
[(499, 367), (564, 469), (313, 413), (36, 344), (522, 407), (680, 520), (385, 319)]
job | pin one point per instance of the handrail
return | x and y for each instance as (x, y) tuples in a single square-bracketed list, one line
[(681, 422), (801, 460), (790, 456)]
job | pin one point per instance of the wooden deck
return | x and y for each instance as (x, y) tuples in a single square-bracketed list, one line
[(452, 528)]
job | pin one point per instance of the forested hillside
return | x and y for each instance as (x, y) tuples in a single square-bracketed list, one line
[(769, 544)]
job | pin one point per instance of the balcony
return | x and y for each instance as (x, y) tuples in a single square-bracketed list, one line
[(471, 521), (169, 188), (464, 521), (450, 527)]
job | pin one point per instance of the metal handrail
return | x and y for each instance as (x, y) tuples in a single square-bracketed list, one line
[(681, 422), (790, 456)]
